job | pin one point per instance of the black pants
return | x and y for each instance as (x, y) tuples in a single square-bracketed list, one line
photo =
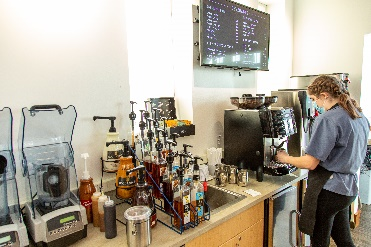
[(332, 219)]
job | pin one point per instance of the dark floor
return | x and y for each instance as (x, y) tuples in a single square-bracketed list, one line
[(362, 234)]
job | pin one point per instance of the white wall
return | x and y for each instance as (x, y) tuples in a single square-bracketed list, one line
[(328, 38), (66, 52)]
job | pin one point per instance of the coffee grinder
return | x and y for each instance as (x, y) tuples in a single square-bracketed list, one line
[(54, 216), (13, 231)]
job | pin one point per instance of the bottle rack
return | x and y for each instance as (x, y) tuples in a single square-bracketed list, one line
[(172, 218), (169, 220)]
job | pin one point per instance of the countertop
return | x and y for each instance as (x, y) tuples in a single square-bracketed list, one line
[(163, 236)]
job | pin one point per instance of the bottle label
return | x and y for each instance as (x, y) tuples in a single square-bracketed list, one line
[(200, 203), (175, 187), (86, 203), (114, 154), (187, 209), (128, 181)]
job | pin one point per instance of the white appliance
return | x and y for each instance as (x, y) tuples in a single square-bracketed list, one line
[(54, 216)]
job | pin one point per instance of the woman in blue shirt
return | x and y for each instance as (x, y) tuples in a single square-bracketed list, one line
[(334, 155)]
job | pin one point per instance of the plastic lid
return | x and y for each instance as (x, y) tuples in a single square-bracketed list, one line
[(109, 202), (102, 198), (138, 213)]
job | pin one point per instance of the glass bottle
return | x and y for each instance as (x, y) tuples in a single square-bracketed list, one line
[(148, 164), (143, 195), (197, 196), (182, 204), (170, 183)]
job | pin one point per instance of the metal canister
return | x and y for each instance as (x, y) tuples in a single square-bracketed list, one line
[(227, 171), (220, 175), (243, 177), (233, 175), (138, 229)]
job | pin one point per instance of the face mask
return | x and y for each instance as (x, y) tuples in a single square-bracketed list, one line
[(319, 109)]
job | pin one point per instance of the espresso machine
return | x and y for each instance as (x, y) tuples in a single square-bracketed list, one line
[(54, 216), (253, 134), (13, 231)]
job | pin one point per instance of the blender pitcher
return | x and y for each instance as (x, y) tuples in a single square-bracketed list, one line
[(13, 231), (4, 210), (47, 154)]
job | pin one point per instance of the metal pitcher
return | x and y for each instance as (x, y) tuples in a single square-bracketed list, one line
[(243, 177), (233, 175)]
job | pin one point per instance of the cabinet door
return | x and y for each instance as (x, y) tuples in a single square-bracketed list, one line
[(231, 228), (251, 237)]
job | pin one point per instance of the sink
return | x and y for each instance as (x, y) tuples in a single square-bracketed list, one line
[(219, 198)]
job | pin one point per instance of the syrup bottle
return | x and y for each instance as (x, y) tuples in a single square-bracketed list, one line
[(197, 194), (170, 181), (158, 168), (125, 184), (86, 191), (101, 201), (143, 195), (94, 199), (182, 203)]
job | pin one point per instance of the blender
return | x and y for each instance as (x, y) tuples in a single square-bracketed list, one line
[(54, 216), (13, 231)]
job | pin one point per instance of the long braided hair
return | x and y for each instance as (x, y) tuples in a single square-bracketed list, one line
[(336, 89)]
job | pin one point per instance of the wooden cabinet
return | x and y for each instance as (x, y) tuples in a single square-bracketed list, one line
[(250, 237), (245, 229)]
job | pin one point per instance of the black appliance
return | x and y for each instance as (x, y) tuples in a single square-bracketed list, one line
[(251, 138)]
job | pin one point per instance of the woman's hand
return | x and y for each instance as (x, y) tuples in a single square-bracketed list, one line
[(282, 156)]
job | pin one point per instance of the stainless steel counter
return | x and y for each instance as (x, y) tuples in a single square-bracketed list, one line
[(163, 236)]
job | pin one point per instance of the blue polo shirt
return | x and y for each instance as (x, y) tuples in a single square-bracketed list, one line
[(340, 143)]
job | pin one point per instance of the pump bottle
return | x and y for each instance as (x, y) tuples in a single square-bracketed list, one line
[(125, 183), (111, 153), (182, 203), (143, 195), (197, 194), (86, 191)]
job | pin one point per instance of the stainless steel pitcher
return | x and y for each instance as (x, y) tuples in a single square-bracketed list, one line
[(233, 175), (243, 177)]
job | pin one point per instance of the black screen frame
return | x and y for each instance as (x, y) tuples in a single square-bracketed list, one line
[(227, 28)]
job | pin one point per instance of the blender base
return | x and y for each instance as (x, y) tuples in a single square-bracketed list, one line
[(61, 227), (14, 234)]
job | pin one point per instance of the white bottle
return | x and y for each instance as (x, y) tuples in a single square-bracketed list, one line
[(111, 152)]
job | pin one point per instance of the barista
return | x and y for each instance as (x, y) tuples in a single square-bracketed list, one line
[(334, 155)]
